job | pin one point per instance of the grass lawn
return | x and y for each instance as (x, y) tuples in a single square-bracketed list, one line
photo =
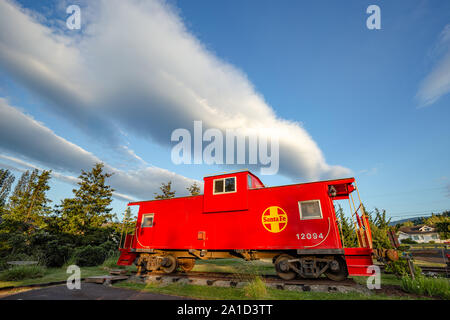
[(55, 274), (386, 279)]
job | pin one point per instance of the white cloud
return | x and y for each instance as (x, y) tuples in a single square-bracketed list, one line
[(137, 66), (23, 136), (437, 83)]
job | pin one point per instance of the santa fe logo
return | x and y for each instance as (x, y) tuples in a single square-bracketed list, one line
[(274, 219)]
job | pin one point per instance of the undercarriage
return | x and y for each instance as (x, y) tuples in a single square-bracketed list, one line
[(289, 264)]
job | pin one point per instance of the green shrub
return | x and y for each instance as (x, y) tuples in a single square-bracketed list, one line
[(22, 272), (111, 262), (55, 254), (52, 250), (400, 268), (432, 287), (107, 237), (3, 265), (256, 289), (15, 257), (89, 256), (111, 248), (408, 241)]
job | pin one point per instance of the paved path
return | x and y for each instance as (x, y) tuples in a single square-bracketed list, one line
[(88, 291)]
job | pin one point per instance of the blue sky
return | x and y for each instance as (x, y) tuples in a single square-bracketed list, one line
[(373, 102)]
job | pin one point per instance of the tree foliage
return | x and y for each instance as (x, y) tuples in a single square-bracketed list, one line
[(443, 228), (6, 181), (379, 226), (129, 221), (194, 189), (441, 222), (28, 205), (348, 232), (89, 208), (29, 230), (167, 193)]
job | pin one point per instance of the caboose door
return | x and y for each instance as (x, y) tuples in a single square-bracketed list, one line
[(146, 230)]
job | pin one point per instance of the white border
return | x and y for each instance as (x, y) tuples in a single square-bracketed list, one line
[(311, 218)]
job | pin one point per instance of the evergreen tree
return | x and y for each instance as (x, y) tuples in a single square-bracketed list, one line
[(28, 205), (167, 192), (129, 221), (194, 189), (6, 180), (20, 186), (380, 219), (89, 207), (379, 227), (348, 232)]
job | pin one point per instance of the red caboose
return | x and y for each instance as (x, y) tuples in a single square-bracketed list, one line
[(238, 217)]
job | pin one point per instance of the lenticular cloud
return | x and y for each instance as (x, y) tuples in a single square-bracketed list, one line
[(135, 66)]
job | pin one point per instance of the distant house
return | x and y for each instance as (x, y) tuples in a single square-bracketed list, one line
[(420, 234)]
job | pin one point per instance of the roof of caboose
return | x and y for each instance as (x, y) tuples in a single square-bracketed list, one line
[(228, 173), (341, 180), (224, 174)]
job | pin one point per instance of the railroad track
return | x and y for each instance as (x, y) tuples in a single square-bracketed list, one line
[(436, 269), (244, 277)]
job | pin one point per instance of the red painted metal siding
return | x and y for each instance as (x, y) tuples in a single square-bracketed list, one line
[(358, 259), (232, 201), (178, 221)]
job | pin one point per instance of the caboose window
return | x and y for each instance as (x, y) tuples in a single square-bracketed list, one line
[(224, 185), (230, 184), (218, 186), (310, 209), (147, 220)]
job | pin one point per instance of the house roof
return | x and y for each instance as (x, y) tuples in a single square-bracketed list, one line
[(416, 230)]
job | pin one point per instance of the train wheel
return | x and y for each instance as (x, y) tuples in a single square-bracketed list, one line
[(283, 269), (186, 265), (169, 264), (338, 270)]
